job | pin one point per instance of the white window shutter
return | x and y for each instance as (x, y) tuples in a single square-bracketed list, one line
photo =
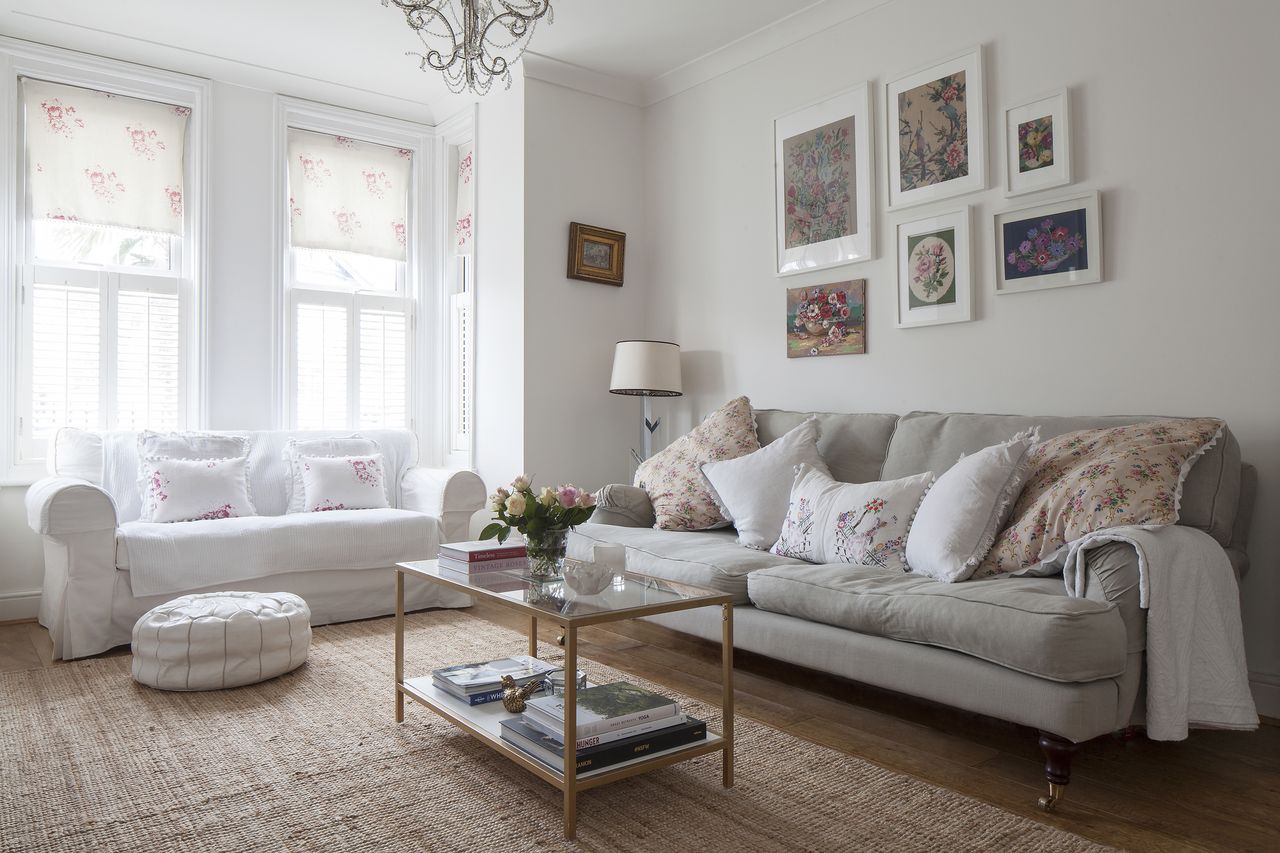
[(321, 333), (460, 371), (66, 359), (383, 364), (148, 362)]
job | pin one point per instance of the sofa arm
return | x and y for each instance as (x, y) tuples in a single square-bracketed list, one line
[(452, 497), (64, 505), (623, 506)]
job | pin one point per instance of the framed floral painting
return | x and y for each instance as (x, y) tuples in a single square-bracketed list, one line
[(1037, 144), (935, 270), (829, 319), (1055, 244), (936, 132), (823, 179)]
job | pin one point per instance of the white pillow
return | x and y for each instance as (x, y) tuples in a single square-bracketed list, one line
[(294, 449), (964, 511), (183, 445), (343, 482), (752, 490), (863, 523), (196, 489)]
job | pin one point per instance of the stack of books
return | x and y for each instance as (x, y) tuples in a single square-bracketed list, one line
[(471, 557), (477, 683), (616, 723)]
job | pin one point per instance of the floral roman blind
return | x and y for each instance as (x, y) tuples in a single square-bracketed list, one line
[(466, 204), (348, 196), (104, 159)]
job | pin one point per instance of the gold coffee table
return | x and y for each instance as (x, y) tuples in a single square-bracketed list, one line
[(627, 598)]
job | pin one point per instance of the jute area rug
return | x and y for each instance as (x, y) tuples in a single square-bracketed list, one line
[(314, 761)]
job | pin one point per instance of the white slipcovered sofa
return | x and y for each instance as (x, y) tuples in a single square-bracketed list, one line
[(104, 568)]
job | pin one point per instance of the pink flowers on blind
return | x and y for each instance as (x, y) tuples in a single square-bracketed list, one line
[(60, 119), (146, 143), (104, 184)]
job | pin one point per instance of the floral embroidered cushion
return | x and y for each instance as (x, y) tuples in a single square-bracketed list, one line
[(343, 482), (183, 445), (959, 518), (673, 477), (1098, 478), (349, 445), (196, 489), (864, 523)]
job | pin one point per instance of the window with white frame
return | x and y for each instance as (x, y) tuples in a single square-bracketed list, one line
[(462, 306), (351, 298), (105, 293)]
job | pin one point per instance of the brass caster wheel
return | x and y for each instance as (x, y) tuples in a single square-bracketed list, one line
[(1049, 802)]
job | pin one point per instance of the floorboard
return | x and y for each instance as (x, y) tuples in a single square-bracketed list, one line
[(1215, 791)]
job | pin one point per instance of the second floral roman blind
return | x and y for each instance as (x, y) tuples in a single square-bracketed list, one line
[(348, 196)]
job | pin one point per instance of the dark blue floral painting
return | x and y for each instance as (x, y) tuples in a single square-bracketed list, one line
[(1044, 245)]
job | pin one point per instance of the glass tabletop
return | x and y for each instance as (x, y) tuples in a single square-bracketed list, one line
[(585, 591)]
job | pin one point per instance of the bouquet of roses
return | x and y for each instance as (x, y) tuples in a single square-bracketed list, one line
[(536, 515)]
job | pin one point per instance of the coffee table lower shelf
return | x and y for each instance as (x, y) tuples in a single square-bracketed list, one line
[(483, 723)]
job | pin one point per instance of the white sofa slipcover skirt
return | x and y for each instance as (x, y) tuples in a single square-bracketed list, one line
[(210, 641)]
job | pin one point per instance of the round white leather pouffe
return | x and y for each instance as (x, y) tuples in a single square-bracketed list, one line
[(213, 640)]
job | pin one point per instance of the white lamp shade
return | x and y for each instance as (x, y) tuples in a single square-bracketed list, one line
[(646, 369)]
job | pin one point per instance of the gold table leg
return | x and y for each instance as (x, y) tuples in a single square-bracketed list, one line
[(726, 703), (533, 636), (570, 732), (399, 645)]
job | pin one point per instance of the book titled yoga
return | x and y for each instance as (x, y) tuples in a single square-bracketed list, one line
[(603, 708)]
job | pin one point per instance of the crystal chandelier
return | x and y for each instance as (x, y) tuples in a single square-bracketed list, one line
[(472, 42)]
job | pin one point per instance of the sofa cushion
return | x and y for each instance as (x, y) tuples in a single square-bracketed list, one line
[(185, 555), (853, 446), (1027, 624), (929, 441), (712, 559)]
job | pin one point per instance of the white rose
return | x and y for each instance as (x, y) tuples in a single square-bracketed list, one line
[(519, 484), (515, 504), (548, 496)]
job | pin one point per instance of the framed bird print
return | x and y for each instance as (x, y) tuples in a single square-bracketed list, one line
[(823, 183), (937, 132)]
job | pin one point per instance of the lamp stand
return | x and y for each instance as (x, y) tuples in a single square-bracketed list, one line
[(650, 426)]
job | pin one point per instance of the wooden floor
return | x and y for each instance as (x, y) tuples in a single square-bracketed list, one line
[(1215, 791)]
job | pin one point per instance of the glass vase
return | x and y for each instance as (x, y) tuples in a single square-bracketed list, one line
[(546, 554)]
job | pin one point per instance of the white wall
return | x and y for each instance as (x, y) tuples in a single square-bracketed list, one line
[(1167, 101), (584, 163)]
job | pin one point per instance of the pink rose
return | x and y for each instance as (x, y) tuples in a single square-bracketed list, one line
[(568, 496)]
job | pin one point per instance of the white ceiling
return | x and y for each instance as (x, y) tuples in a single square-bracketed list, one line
[(359, 46)]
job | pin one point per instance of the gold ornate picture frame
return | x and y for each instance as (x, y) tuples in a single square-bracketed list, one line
[(596, 254)]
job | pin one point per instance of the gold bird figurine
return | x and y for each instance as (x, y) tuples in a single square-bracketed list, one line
[(514, 696)]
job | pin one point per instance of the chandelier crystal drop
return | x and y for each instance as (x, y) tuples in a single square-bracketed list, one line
[(472, 42)]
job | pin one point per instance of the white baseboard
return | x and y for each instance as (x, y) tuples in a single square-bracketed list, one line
[(1266, 693), (19, 605)]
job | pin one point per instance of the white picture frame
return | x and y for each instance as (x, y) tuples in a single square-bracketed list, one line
[(850, 110), (1050, 112), (1080, 215), (944, 242), (927, 146)]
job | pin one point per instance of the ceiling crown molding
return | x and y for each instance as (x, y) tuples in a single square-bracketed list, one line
[(551, 70)]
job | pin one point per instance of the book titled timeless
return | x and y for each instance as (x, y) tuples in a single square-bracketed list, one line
[(603, 708), (551, 752), (480, 552)]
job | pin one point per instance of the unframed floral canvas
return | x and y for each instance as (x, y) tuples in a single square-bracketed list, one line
[(829, 319), (821, 198)]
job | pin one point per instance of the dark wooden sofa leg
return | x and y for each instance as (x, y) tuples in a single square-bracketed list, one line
[(1058, 753)]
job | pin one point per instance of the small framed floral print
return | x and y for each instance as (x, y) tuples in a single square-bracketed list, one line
[(1037, 144), (935, 270), (937, 132), (1054, 244), (824, 183)]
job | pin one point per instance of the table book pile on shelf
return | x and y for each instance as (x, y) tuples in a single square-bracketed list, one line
[(616, 722), (478, 683), (472, 557)]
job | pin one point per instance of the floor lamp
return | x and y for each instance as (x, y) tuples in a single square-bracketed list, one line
[(646, 369)]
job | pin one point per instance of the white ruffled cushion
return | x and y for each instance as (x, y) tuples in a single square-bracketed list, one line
[(196, 489), (350, 445), (752, 490), (343, 482), (864, 523), (964, 510)]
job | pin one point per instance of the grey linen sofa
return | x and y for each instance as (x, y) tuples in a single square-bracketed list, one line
[(1017, 649)]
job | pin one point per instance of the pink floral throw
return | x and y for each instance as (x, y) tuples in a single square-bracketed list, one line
[(1098, 478), (673, 478)]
